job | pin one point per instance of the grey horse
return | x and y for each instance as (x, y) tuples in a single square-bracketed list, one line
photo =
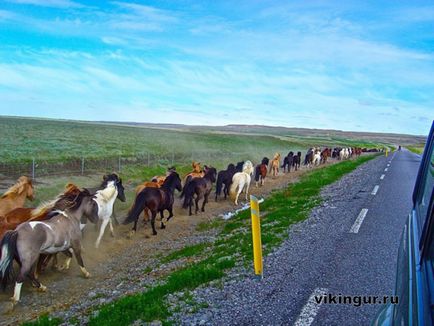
[(60, 233)]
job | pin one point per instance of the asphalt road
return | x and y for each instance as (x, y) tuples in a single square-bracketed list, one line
[(348, 246)]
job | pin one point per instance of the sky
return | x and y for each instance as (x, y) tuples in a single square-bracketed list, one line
[(347, 65)]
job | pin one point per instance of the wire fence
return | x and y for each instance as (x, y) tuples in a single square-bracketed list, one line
[(37, 168)]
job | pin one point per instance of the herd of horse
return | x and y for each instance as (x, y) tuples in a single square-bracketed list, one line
[(33, 236)]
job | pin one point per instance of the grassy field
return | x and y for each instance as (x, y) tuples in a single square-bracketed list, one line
[(231, 247), (24, 138)]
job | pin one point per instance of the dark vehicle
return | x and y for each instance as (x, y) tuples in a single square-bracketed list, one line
[(415, 270), (399, 148)]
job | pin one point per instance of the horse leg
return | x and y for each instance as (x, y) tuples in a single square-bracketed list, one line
[(26, 264), (111, 227), (162, 216), (205, 200), (190, 203), (34, 278), (76, 246), (154, 215), (197, 203), (170, 209), (65, 266), (101, 231), (247, 190)]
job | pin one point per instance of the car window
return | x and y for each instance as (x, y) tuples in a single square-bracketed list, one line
[(424, 196)]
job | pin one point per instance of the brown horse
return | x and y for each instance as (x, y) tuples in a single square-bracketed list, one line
[(155, 200), (201, 187), (261, 172), (325, 154), (275, 163), (23, 214), (16, 195)]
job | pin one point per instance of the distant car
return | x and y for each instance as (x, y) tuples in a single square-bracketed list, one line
[(415, 270)]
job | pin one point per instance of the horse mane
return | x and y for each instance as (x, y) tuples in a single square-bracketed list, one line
[(109, 177), (107, 192), (63, 201), (18, 187)]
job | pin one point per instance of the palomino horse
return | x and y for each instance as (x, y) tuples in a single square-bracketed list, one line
[(16, 195), (275, 163), (23, 214), (201, 187), (60, 233), (224, 177), (261, 171), (288, 162), (155, 200)]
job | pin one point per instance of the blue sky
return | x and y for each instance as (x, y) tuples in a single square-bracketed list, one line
[(350, 65)]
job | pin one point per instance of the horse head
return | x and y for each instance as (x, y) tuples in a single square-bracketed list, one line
[(118, 184), (211, 173), (230, 168), (173, 180), (27, 185)]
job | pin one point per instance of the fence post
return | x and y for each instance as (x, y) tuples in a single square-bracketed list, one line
[(33, 169), (82, 165), (119, 170)]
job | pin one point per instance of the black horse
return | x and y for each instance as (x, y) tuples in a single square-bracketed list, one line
[(155, 200), (296, 161), (201, 187), (239, 166), (308, 159), (224, 177), (288, 161)]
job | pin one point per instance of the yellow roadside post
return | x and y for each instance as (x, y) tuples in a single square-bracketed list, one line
[(256, 235), (387, 152)]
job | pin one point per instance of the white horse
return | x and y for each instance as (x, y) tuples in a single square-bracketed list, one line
[(248, 168), (105, 199), (316, 156), (240, 180)]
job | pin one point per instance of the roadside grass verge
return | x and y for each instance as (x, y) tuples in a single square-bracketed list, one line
[(418, 149), (233, 246)]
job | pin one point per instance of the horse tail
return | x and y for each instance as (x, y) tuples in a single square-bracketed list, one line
[(138, 207), (187, 181), (188, 193), (219, 185), (233, 188), (8, 247), (257, 172)]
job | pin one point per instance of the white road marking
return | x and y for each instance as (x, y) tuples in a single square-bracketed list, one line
[(310, 309), (385, 170), (382, 176), (374, 191), (388, 164), (359, 220)]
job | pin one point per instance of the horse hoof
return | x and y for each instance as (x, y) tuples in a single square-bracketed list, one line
[(130, 234), (163, 227), (62, 268), (42, 288), (154, 233), (86, 275)]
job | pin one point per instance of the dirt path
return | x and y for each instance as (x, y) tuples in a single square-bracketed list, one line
[(121, 265)]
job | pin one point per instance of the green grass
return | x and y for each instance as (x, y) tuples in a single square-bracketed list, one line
[(187, 251), (418, 149)]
